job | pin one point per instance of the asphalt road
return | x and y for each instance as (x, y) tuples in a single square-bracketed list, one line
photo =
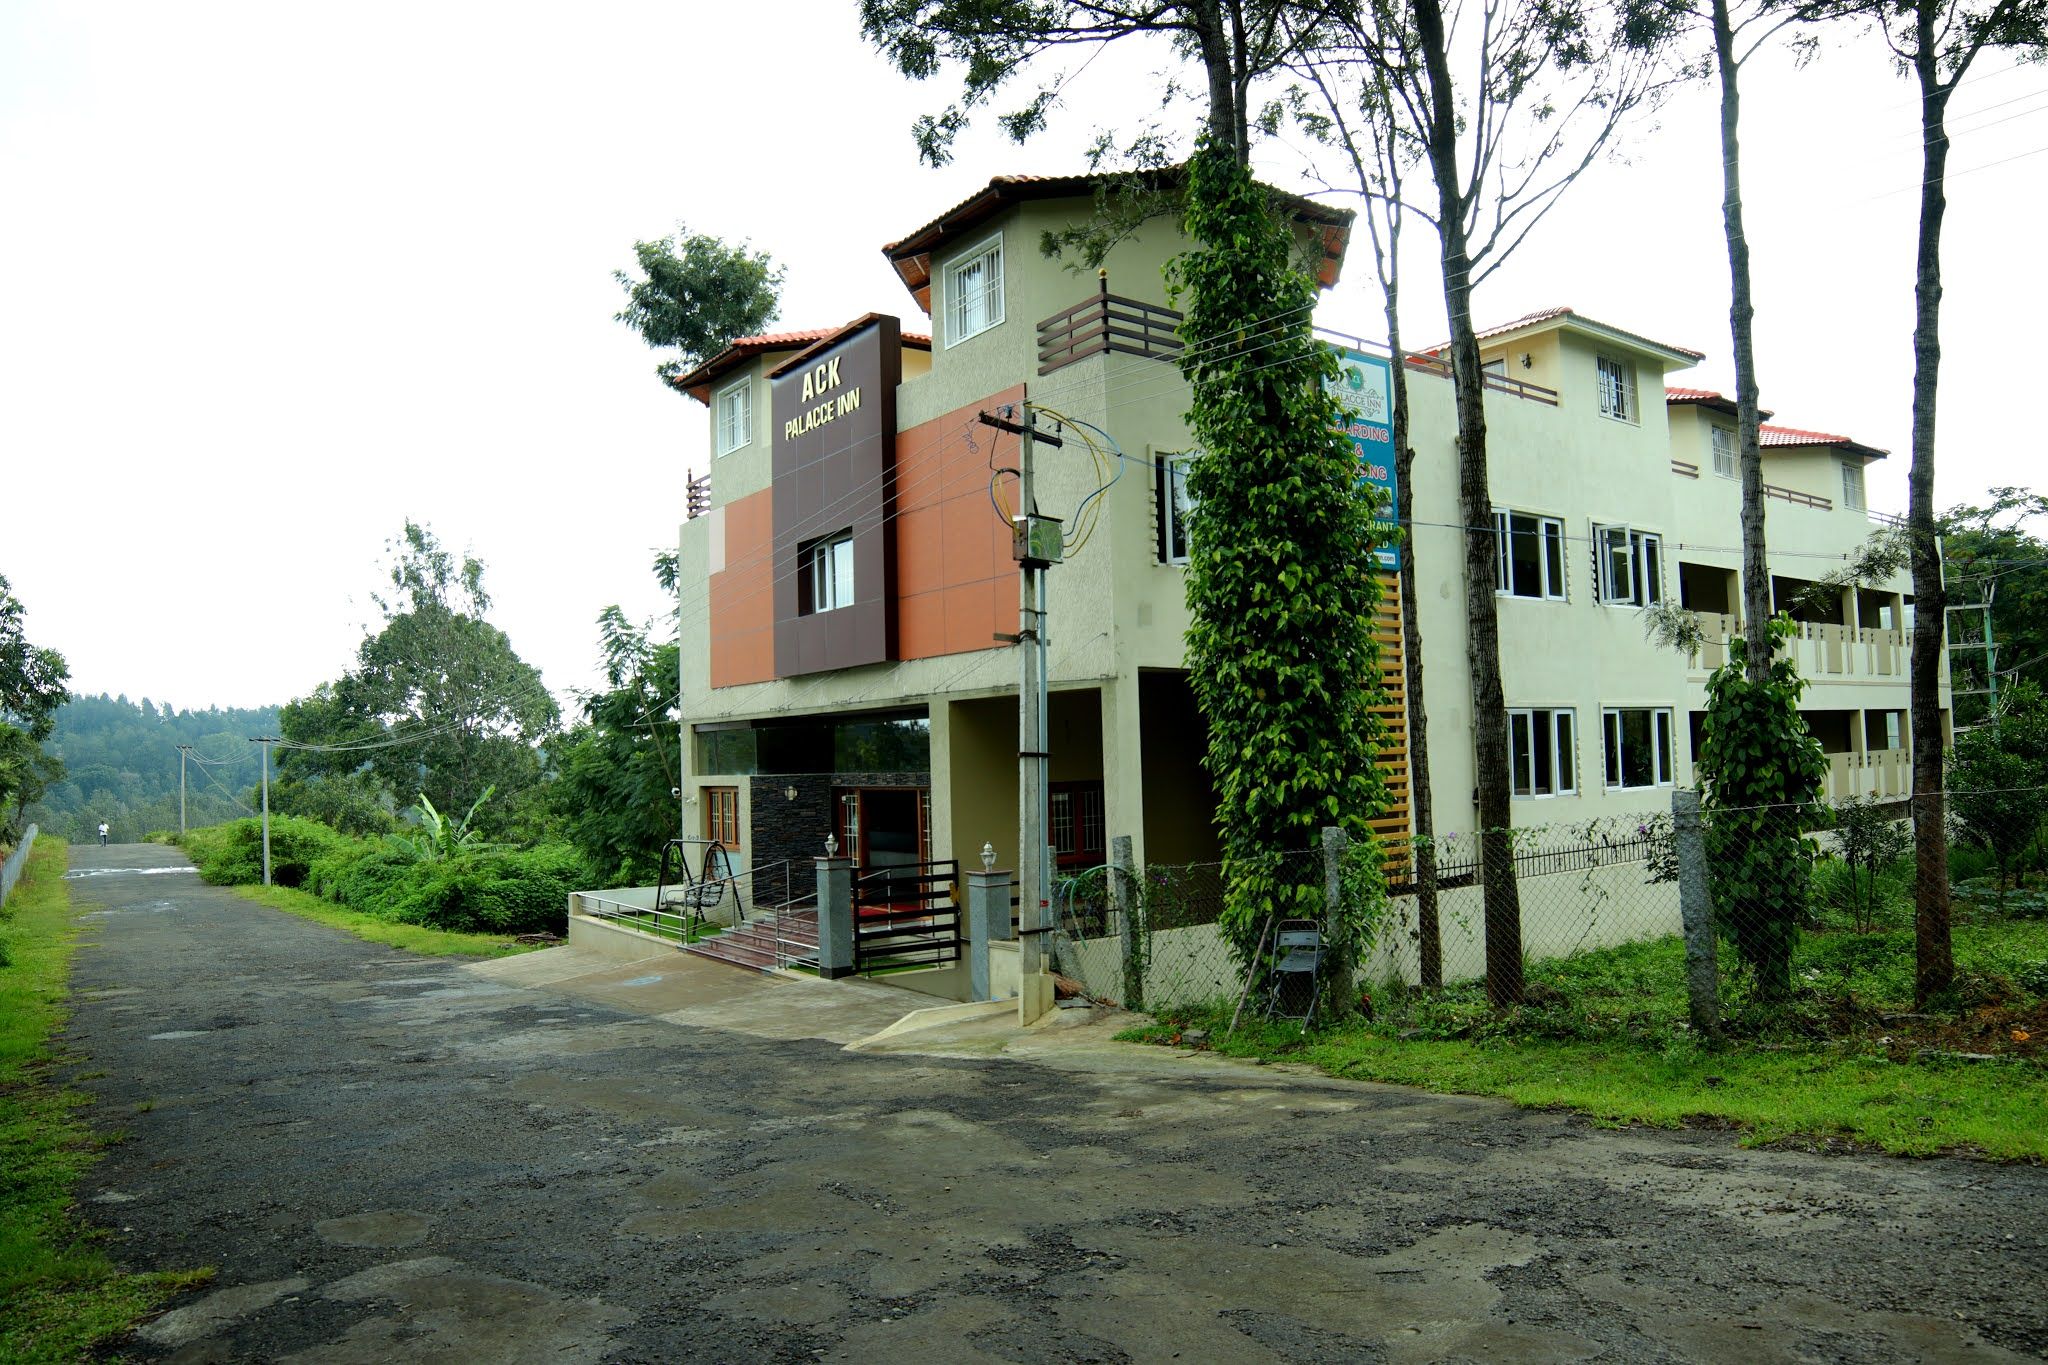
[(391, 1158)]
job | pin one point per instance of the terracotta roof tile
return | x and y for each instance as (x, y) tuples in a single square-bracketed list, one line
[(1772, 435), (911, 254), (697, 383), (1543, 315)]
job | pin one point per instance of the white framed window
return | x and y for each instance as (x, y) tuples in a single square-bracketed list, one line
[(1630, 566), (825, 574), (1637, 746), (1724, 451), (1498, 367), (1617, 379), (974, 291), (1176, 506), (1528, 555), (1852, 485), (735, 416), (1542, 751)]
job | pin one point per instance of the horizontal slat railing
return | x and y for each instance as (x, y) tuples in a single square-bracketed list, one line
[(1108, 322)]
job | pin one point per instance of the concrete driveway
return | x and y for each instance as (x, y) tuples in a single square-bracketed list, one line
[(392, 1158)]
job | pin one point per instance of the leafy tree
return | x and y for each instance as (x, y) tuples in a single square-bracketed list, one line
[(31, 678), (1998, 778), (1760, 771), (1938, 41), (1281, 578), (350, 802), (694, 294), (1356, 111), (1236, 43), (438, 703), (1552, 93), (618, 767), (31, 689)]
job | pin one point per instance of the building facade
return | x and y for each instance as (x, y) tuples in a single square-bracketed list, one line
[(849, 598)]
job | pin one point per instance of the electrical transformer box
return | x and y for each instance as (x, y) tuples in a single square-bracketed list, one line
[(1035, 539)]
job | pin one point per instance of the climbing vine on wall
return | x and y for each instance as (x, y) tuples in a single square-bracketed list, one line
[(1761, 771), (1281, 585)]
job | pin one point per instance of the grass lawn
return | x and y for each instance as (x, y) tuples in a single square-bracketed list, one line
[(1846, 1062), (413, 938), (59, 1294)]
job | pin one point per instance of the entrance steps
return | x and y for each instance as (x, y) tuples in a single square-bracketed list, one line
[(769, 940)]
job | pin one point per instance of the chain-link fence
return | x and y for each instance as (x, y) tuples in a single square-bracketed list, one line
[(1154, 939), (1792, 919)]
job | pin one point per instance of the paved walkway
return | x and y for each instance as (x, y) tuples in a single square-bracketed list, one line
[(392, 1158)]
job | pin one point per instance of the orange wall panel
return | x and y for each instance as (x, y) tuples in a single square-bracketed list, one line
[(955, 580), (742, 598)]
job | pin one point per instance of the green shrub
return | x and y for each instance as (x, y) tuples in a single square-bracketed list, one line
[(371, 878), (492, 891), (1967, 862), (232, 854)]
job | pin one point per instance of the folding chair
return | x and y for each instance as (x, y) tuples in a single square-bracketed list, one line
[(1294, 981)]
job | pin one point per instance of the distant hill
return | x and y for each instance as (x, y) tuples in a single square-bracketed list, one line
[(121, 766)]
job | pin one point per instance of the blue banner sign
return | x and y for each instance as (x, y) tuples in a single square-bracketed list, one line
[(1364, 389)]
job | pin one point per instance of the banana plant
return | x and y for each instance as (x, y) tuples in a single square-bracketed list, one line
[(440, 837)]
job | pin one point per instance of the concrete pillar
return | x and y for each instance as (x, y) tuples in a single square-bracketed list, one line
[(988, 921), (1123, 763), (1696, 911), (835, 917)]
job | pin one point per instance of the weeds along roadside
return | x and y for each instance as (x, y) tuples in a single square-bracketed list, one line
[(60, 1294)]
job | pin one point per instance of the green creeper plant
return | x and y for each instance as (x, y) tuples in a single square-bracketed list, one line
[(1761, 772), (1280, 584)]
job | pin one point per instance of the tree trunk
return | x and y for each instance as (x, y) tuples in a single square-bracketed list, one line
[(1756, 571), (1226, 116), (1933, 956), (1422, 812), (1503, 909)]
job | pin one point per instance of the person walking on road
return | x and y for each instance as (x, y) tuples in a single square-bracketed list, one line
[(103, 834)]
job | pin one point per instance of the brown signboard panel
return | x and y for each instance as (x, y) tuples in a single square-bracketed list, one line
[(834, 411)]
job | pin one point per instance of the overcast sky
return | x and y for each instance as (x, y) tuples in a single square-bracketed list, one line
[(275, 277)]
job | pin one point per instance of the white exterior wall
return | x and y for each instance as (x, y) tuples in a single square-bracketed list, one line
[(1115, 610)]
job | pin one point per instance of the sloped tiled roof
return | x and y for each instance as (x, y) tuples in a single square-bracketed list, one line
[(911, 255), (1771, 435), (697, 383), (1580, 322)]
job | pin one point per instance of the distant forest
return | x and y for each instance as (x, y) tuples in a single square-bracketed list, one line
[(121, 766)]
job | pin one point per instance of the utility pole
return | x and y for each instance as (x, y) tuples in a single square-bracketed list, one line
[(1035, 545), (266, 742), (183, 750)]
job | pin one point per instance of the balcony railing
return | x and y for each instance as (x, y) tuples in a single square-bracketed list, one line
[(1820, 648), (1105, 323), (697, 496), (1797, 498), (1685, 469), (1875, 772), (1499, 383)]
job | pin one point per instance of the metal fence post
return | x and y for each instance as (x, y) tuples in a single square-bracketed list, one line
[(835, 917), (1123, 899), (1696, 911), (988, 920)]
